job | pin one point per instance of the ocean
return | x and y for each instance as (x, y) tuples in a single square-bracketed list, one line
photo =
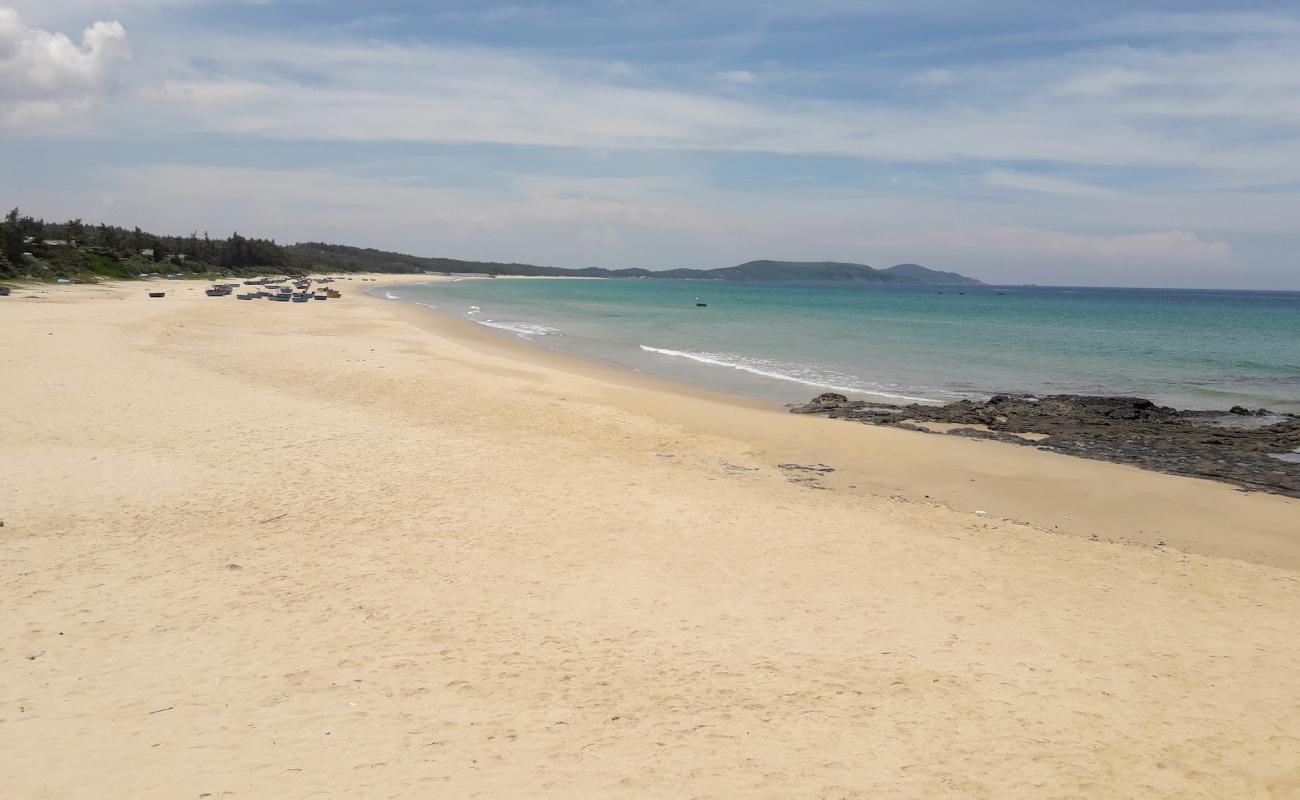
[(897, 344)]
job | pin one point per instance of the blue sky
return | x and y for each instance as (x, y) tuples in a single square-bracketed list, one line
[(1040, 142)]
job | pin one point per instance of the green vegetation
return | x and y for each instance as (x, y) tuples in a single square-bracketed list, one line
[(38, 250), (34, 249)]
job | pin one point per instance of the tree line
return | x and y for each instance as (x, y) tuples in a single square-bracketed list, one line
[(23, 237), (115, 252)]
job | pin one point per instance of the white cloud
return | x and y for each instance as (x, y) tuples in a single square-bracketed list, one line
[(1141, 251), (70, 13), (29, 114), (37, 62), (1117, 106), (1111, 107), (1203, 23), (459, 96), (316, 203), (44, 75), (930, 77), (737, 77), (1043, 184)]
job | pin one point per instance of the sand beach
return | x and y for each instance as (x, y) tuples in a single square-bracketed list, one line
[(358, 549)]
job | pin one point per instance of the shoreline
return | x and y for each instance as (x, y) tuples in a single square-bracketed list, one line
[(1053, 492), (1218, 445)]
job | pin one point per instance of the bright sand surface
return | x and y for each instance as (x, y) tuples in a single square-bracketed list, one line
[(358, 549)]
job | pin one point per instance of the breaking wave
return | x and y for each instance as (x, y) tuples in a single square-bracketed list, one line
[(795, 373), (524, 329)]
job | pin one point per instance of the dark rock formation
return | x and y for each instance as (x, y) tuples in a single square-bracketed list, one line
[(1240, 446)]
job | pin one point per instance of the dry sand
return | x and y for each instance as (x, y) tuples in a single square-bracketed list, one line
[(355, 549)]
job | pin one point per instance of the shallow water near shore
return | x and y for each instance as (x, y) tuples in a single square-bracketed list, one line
[(787, 342)]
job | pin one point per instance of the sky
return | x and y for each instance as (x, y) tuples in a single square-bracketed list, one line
[(1101, 143)]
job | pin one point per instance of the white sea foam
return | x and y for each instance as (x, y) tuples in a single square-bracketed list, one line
[(391, 296), (524, 329), (786, 372)]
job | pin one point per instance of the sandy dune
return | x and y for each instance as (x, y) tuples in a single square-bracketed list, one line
[(348, 549)]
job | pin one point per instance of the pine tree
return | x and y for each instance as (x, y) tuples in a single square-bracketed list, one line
[(11, 237)]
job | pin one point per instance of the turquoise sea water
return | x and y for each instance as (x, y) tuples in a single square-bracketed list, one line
[(789, 342)]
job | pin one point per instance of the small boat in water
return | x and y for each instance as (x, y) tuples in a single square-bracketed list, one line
[(700, 303)]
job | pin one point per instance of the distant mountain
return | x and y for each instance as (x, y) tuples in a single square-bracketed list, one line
[(915, 273), (823, 272), (319, 256)]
